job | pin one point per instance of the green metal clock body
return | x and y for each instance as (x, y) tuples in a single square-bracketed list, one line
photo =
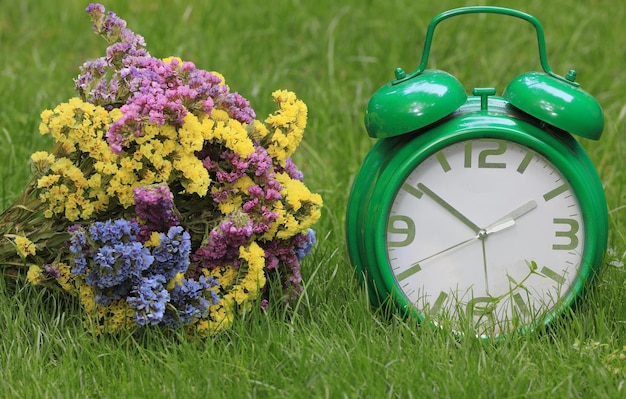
[(488, 218)]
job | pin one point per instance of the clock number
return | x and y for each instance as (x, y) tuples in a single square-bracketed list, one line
[(525, 162), (468, 154), (403, 225), (569, 234), (480, 306), (482, 156), (481, 310)]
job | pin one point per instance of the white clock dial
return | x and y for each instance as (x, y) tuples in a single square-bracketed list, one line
[(485, 231)]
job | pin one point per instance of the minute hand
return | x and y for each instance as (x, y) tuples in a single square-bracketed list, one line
[(449, 208)]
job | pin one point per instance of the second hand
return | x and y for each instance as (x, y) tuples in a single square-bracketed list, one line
[(415, 267)]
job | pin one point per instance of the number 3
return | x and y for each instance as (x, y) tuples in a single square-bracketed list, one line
[(571, 234)]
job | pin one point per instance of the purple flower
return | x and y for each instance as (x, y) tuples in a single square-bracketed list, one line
[(238, 107), (52, 271), (291, 170), (121, 259), (147, 89), (223, 243), (283, 261), (155, 206), (95, 9), (261, 162), (235, 167)]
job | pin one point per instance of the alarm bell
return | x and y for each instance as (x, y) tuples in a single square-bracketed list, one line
[(558, 102), (406, 105), (425, 96)]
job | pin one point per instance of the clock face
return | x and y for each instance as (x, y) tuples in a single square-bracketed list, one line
[(486, 232)]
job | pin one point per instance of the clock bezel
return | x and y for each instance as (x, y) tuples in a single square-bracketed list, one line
[(394, 160)]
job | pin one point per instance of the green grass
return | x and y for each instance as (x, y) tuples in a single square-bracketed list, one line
[(334, 55)]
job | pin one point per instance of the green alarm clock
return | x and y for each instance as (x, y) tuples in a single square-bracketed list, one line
[(481, 212)]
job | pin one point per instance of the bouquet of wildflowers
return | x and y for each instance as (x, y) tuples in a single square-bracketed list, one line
[(163, 201)]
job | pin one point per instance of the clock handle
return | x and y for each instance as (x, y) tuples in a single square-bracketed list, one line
[(543, 58), (416, 100)]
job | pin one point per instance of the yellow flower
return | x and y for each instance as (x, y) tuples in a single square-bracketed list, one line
[(120, 316), (196, 178), (45, 119), (236, 138), (202, 326), (35, 275), (177, 280), (227, 207), (228, 132), (294, 191), (87, 297), (221, 317), (168, 60), (257, 130), (47, 181), (226, 275), (244, 183), (246, 282), (105, 167), (154, 240), (68, 191), (42, 156), (255, 279), (190, 134), (286, 126), (219, 115), (67, 148), (66, 279), (24, 246), (113, 318), (41, 161)]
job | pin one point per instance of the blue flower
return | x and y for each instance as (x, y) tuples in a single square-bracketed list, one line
[(149, 301), (172, 254), (78, 244), (305, 248), (191, 299), (109, 256)]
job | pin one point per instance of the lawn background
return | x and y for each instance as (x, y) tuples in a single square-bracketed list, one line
[(334, 55)]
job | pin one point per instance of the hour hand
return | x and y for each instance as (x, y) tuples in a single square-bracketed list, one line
[(449, 208), (508, 220)]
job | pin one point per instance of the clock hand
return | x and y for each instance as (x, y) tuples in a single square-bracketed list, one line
[(415, 267), (486, 274), (504, 222), (508, 220), (449, 208)]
